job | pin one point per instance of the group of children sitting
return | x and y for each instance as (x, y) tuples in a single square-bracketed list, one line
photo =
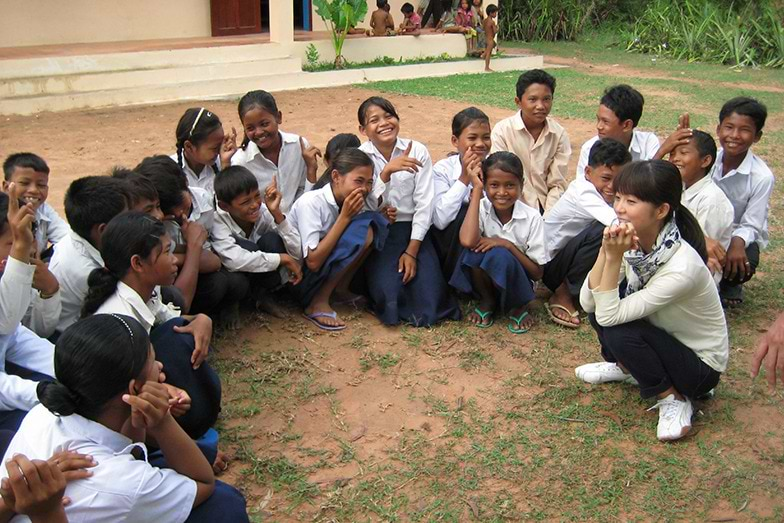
[(449, 16), (122, 406)]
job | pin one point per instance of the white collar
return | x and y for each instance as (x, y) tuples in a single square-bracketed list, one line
[(696, 188), (139, 306), (636, 143), (252, 150), (400, 145), (329, 196), (100, 434), (92, 252), (518, 213)]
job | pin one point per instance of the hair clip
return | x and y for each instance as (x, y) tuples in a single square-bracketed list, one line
[(196, 121), (124, 323)]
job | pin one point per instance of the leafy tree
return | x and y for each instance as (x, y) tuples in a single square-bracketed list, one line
[(340, 16)]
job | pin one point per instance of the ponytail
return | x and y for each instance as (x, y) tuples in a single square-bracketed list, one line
[(691, 231), (101, 285), (57, 398)]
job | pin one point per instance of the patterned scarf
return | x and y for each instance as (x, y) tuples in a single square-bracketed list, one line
[(644, 266)]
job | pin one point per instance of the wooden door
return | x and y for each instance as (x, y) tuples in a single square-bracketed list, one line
[(235, 17)]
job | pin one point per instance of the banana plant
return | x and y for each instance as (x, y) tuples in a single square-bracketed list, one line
[(340, 16)]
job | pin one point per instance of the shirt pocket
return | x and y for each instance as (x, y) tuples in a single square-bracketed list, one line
[(402, 187)]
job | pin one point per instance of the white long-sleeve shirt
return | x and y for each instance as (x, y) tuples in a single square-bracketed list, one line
[(450, 194), (25, 349), (73, 260), (644, 146), (291, 171), (712, 209), (748, 188), (51, 227), (19, 301), (411, 194), (681, 298), (578, 207), (237, 259)]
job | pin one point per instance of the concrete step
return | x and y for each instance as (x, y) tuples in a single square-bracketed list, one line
[(160, 76)]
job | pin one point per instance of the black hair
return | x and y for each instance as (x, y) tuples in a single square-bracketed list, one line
[(492, 8), (233, 182), (94, 360), (94, 200), (141, 188), (381, 3), (535, 76), (336, 144), (745, 106), (465, 118), (625, 101), (705, 145), (24, 160), (407, 8), (168, 179), (659, 182), (127, 235), (347, 160), (608, 152), (256, 100), (446, 5), (195, 126), (505, 161), (3, 211), (378, 101)]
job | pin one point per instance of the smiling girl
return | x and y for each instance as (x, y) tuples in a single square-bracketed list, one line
[(665, 328), (405, 281), (268, 152)]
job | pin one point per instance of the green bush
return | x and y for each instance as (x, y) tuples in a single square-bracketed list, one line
[(710, 31), (550, 20)]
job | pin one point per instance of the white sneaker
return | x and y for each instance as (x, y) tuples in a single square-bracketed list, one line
[(601, 372), (674, 418)]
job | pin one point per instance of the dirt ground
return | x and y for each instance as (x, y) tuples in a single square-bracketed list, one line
[(372, 403)]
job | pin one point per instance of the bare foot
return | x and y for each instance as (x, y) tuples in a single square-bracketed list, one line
[(221, 463), (488, 70), (345, 297), (265, 303), (230, 319)]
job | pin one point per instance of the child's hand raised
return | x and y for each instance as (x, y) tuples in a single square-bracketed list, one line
[(21, 221), (403, 162), (468, 158), (311, 155), (43, 280), (353, 204), (228, 148), (683, 121), (291, 265), (475, 174), (676, 139), (272, 197), (149, 405)]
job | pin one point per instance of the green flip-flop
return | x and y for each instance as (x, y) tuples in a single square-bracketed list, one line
[(517, 321), (483, 316)]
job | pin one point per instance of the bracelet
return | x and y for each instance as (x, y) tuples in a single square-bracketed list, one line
[(410, 255), (44, 296)]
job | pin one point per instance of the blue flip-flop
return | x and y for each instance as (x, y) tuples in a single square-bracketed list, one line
[(482, 316), (517, 321), (313, 318)]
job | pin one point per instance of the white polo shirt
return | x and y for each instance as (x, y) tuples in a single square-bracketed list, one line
[(121, 488), (73, 260), (644, 146), (578, 207), (291, 171), (450, 194), (748, 188), (410, 193), (237, 259), (205, 179), (525, 230), (127, 301), (712, 209), (51, 228), (313, 215)]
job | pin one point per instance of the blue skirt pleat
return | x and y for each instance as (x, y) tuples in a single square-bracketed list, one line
[(349, 246), (513, 286), (425, 300)]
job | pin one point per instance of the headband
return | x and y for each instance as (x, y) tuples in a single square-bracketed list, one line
[(130, 332)]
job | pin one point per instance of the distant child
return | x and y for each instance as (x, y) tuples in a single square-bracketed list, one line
[(337, 237), (504, 246), (412, 22), (748, 183), (573, 228), (335, 145), (138, 261), (490, 29), (270, 153), (694, 157), (452, 181), (406, 283), (202, 147), (538, 140), (479, 13), (381, 21), (253, 237), (31, 175), (108, 402), (620, 110), (90, 203)]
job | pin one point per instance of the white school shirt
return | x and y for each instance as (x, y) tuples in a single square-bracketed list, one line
[(644, 146), (712, 209), (127, 301), (121, 488), (525, 230), (681, 298), (748, 188), (51, 228), (202, 212), (578, 207), (73, 260), (20, 302), (237, 259), (25, 349), (450, 194), (204, 180), (291, 171), (313, 215), (410, 193)]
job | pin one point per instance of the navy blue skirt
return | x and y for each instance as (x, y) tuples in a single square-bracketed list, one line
[(349, 246), (512, 284), (425, 300)]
